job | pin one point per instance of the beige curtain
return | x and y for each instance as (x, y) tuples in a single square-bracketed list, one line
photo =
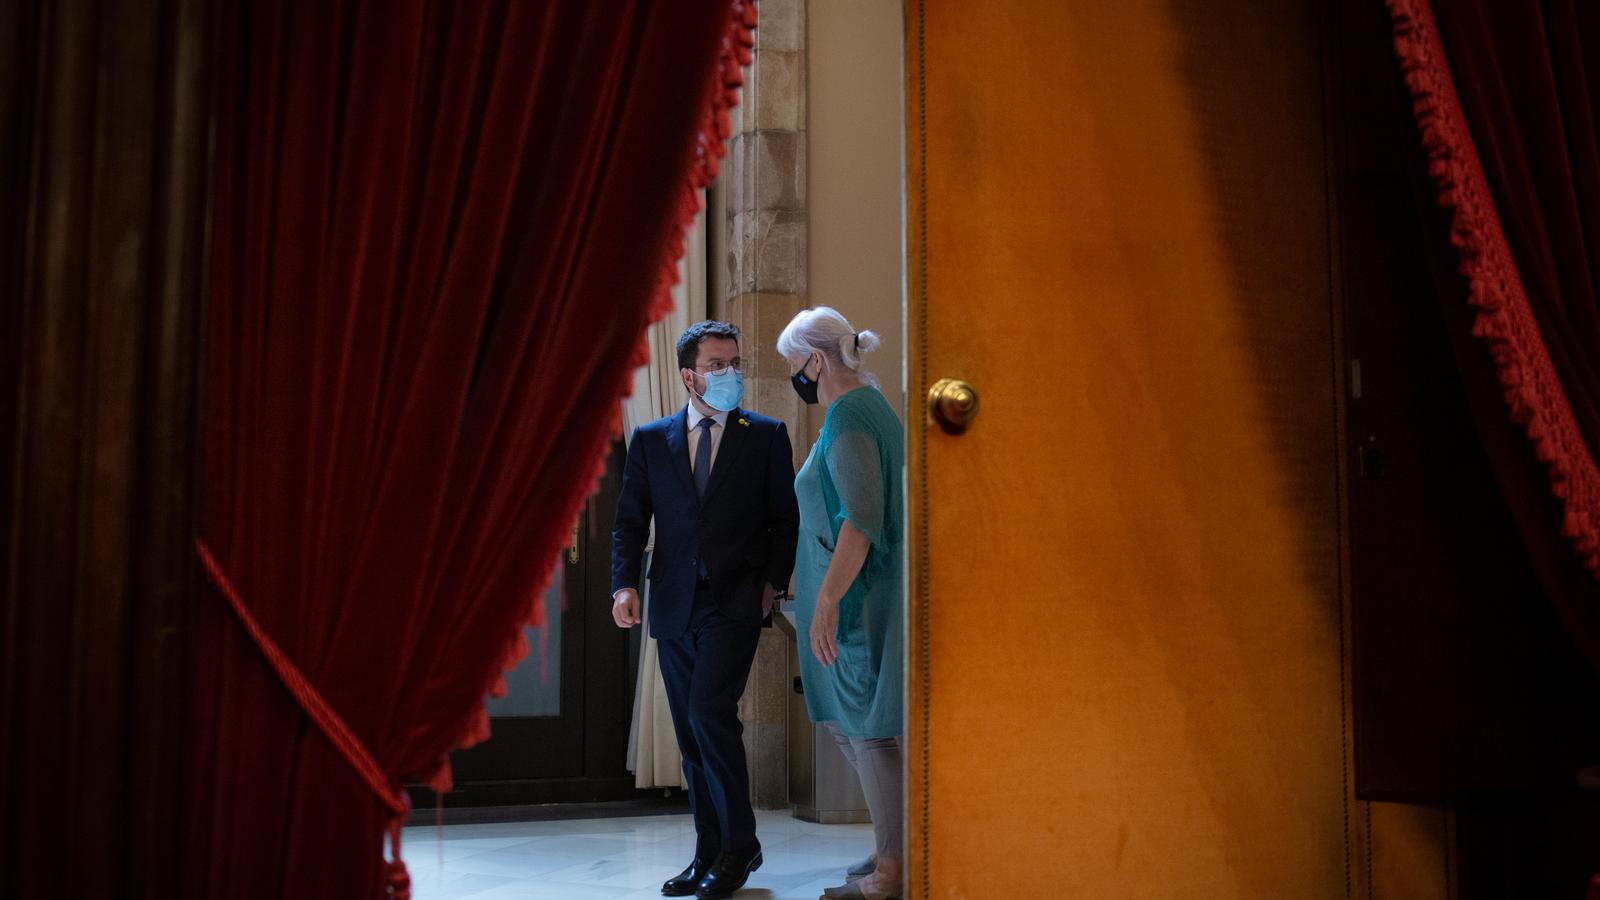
[(657, 392)]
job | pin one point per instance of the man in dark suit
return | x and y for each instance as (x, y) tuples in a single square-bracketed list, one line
[(719, 482)]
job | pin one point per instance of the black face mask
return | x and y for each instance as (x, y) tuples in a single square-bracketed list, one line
[(805, 387)]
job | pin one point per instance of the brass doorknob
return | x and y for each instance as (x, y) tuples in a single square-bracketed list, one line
[(953, 403)]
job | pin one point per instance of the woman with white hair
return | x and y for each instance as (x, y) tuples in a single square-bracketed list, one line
[(849, 581)]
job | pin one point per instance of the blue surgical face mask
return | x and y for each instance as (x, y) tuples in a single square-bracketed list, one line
[(724, 390)]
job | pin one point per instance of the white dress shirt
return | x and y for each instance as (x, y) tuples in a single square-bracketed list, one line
[(695, 416)]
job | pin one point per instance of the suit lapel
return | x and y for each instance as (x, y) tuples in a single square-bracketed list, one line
[(678, 451), (734, 437)]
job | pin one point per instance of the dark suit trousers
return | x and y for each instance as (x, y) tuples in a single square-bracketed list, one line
[(705, 670)]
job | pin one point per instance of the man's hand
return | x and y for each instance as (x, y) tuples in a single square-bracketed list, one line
[(768, 595), (625, 608)]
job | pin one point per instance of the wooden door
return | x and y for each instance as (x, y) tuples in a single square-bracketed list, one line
[(537, 728), (1127, 634)]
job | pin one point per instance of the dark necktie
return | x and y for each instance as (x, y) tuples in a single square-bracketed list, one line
[(702, 475), (702, 457)]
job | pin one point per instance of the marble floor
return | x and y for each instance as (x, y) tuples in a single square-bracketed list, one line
[(617, 858)]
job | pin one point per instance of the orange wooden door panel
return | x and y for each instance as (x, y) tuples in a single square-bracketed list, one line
[(1127, 629)]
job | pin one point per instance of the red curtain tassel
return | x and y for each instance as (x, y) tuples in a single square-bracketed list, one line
[(399, 877)]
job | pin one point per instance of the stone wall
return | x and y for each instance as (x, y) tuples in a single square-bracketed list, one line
[(758, 222)]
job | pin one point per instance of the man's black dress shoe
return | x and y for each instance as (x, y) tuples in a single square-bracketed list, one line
[(685, 883), (729, 874)]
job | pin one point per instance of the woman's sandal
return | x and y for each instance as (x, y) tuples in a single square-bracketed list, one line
[(871, 885), (854, 891)]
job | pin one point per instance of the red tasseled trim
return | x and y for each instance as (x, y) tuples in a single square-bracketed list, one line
[(710, 146), (716, 126), (1504, 320)]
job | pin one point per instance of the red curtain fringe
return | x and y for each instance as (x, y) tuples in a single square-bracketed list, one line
[(716, 126), (1504, 319)]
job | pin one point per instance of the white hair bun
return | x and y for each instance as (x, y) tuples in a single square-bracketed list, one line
[(851, 346)]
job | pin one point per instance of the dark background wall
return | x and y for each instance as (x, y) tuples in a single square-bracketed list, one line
[(103, 112), (1470, 696)]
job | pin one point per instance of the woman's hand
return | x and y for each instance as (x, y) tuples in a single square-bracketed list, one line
[(824, 626), (849, 553)]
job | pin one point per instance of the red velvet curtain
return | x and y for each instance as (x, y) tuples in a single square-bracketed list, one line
[(440, 228), (1505, 100)]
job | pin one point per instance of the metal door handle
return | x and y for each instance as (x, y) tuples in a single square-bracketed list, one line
[(572, 552), (1370, 459), (953, 403)]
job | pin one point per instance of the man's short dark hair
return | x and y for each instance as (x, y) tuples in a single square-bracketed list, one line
[(689, 343)]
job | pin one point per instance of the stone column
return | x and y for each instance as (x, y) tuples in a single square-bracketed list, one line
[(762, 286)]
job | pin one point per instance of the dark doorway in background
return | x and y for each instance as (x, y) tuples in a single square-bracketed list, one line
[(560, 735)]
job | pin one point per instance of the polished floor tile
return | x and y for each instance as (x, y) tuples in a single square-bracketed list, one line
[(625, 858)]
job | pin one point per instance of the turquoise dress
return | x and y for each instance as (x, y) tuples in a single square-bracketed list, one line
[(856, 473)]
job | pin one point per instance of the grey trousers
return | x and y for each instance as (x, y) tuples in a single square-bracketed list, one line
[(878, 764)]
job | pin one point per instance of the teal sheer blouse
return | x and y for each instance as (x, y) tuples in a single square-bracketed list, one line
[(856, 473)]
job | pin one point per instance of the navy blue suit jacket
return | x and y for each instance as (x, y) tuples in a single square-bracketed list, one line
[(745, 528)]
